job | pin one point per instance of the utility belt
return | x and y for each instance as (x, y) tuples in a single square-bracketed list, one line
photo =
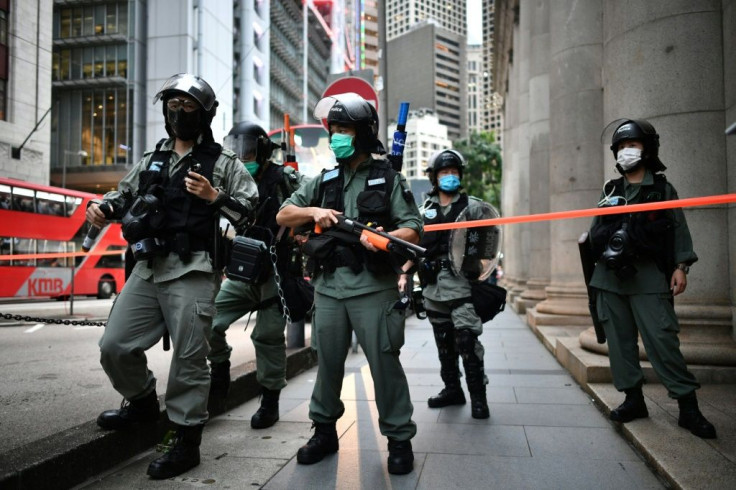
[(428, 270), (183, 244)]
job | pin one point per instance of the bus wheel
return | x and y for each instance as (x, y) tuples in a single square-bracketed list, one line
[(105, 288)]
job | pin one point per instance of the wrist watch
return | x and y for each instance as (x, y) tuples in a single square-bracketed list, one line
[(684, 268)]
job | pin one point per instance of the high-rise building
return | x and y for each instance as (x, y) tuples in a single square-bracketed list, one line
[(287, 73), (492, 108), (252, 61), (109, 60), (475, 88), (25, 89), (428, 69), (402, 15)]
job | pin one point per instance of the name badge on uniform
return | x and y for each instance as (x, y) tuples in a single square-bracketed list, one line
[(430, 214), (331, 174), (380, 180)]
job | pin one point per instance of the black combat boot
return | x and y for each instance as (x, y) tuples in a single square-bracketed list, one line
[(323, 442), (474, 374), (181, 457), (400, 457), (219, 379), (691, 418), (632, 408), (452, 393), (268, 414), (144, 410)]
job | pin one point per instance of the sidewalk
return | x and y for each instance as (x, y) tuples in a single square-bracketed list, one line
[(544, 431)]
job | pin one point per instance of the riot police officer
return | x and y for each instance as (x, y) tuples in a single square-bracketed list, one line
[(171, 201), (236, 298), (355, 284), (447, 295), (643, 261)]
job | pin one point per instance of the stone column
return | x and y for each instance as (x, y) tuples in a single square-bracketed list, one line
[(516, 188), (680, 42), (539, 259), (575, 174), (729, 69)]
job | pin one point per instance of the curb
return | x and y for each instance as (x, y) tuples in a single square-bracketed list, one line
[(72, 456)]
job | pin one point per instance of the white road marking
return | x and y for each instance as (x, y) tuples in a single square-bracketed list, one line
[(36, 327)]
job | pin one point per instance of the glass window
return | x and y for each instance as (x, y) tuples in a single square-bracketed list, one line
[(110, 114), (110, 61), (6, 248), (112, 26), (87, 57), (5, 202), (123, 18), (123, 60), (112, 261), (64, 64), (76, 30), (66, 23), (76, 62), (98, 135), (123, 142), (24, 246), (72, 203), (87, 123), (99, 69), (99, 19), (88, 23)]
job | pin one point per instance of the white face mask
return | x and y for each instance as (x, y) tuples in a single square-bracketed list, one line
[(628, 158)]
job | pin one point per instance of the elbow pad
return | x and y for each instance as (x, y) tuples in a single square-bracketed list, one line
[(232, 209)]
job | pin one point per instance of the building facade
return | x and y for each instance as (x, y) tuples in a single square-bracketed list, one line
[(403, 15), (428, 69), (25, 89), (673, 65)]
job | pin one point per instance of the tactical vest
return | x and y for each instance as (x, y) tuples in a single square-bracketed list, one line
[(651, 231), (187, 222), (437, 243), (374, 206)]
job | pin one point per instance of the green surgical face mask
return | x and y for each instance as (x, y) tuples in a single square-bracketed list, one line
[(342, 145), (251, 167)]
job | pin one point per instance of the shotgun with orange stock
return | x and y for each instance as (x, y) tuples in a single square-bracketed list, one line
[(379, 239)]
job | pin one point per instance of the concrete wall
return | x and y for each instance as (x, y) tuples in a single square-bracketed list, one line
[(28, 92)]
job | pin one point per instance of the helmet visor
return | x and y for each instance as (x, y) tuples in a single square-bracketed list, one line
[(356, 107), (189, 84), (243, 145)]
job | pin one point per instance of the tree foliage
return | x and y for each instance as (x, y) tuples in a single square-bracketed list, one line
[(484, 169)]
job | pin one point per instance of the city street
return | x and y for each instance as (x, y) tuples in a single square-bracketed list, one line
[(52, 379)]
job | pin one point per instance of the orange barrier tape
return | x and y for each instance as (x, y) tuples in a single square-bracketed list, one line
[(59, 255), (584, 213)]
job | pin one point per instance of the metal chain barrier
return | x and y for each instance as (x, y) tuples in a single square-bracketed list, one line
[(277, 277), (56, 321)]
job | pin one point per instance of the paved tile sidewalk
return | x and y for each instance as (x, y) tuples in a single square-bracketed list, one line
[(544, 431)]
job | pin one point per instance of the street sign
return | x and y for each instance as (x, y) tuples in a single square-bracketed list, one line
[(355, 85)]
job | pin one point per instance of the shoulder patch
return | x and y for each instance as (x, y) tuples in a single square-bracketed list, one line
[(430, 213), (228, 153), (473, 198)]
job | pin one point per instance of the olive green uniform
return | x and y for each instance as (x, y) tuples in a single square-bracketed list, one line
[(643, 304), (165, 294), (364, 303), (237, 298)]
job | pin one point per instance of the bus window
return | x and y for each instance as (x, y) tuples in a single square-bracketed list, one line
[(24, 246), (23, 200), (72, 203), (50, 247), (49, 203), (112, 261), (5, 197), (5, 249)]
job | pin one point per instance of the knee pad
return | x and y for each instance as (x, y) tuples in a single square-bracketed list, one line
[(465, 341)]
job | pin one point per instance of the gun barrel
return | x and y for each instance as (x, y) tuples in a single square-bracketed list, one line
[(351, 226)]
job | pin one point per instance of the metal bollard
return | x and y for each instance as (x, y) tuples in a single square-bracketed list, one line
[(295, 335)]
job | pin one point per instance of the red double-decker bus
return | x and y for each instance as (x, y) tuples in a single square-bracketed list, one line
[(41, 234)]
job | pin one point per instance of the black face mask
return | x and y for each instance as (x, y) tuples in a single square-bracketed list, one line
[(186, 125)]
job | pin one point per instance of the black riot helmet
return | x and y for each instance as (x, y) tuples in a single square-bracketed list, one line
[(352, 109), (247, 138), (444, 159), (196, 88), (640, 130)]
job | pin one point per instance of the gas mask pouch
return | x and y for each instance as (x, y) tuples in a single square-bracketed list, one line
[(372, 202)]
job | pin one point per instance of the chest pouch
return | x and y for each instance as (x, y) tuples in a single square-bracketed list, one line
[(372, 202)]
